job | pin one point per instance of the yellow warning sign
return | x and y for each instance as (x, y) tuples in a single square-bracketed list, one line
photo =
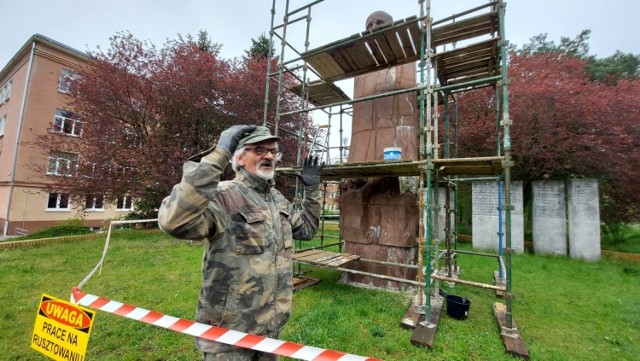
[(62, 329)]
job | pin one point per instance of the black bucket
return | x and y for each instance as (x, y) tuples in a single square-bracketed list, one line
[(457, 307)]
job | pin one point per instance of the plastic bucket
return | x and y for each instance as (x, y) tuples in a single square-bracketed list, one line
[(392, 153), (458, 307)]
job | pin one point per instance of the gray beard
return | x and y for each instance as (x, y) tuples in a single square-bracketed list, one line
[(266, 175)]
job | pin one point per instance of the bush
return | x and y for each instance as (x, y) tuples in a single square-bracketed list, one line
[(56, 231), (614, 232)]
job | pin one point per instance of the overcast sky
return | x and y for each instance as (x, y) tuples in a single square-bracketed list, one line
[(84, 25)]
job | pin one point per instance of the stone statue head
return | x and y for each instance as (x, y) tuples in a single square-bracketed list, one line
[(377, 19)]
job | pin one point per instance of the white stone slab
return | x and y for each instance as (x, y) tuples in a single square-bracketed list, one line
[(549, 218), (439, 223), (485, 225), (584, 219)]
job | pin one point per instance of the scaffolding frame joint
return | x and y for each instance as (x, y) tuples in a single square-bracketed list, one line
[(507, 163), (509, 250), (506, 121)]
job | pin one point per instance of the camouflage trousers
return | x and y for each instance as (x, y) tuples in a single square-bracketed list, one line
[(240, 355)]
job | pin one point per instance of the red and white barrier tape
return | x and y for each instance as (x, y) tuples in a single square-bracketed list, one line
[(213, 333)]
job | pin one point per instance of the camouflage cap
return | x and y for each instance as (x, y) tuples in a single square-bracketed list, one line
[(259, 135)]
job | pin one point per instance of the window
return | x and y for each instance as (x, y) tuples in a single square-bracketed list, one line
[(124, 203), (3, 123), (5, 92), (58, 201), (92, 203), (64, 123), (62, 164), (66, 77)]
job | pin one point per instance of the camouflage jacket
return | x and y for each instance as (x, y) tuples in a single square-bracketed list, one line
[(248, 228)]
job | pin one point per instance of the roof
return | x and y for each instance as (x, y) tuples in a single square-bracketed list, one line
[(40, 39)]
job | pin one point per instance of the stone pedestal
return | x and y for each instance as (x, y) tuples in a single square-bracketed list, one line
[(549, 218), (379, 223), (584, 219), (485, 216)]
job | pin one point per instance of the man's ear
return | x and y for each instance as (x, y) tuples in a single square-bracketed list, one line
[(241, 159)]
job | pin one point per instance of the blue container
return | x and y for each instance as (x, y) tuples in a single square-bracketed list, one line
[(392, 153)]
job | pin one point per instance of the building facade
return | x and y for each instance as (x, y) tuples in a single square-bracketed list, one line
[(34, 100)]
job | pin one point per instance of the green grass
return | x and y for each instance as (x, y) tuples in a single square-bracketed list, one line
[(565, 309)]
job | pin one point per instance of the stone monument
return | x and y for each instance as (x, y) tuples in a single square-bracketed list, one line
[(549, 218), (484, 221), (379, 217), (584, 219)]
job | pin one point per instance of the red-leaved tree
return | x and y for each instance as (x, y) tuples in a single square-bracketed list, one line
[(144, 111), (564, 126)]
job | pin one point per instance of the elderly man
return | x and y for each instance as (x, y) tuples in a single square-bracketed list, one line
[(248, 228)]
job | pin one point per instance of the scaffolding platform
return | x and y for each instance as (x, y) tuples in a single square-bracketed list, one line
[(322, 258), (321, 93), (473, 62), (399, 43), (448, 166), (395, 44)]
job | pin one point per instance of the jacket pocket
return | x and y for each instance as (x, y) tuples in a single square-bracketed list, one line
[(287, 233), (249, 232)]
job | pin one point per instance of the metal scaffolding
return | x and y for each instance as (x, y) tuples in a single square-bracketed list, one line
[(457, 54)]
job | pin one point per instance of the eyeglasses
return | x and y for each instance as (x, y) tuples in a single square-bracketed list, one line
[(262, 151)]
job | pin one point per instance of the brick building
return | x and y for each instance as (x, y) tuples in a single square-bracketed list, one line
[(34, 100)]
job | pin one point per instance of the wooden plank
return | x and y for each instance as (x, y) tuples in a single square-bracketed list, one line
[(311, 256), (361, 56), (325, 65), (412, 316), (305, 254), (415, 36), (482, 165), (487, 44), (385, 48), (484, 24), (351, 57), (321, 93), (344, 60), (407, 43), (424, 335), (300, 282), (512, 340), (342, 260), (394, 43), (375, 52), (327, 258)]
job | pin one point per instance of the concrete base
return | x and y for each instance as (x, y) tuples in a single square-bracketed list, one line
[(510, 336), (425, 332), (414, 312)]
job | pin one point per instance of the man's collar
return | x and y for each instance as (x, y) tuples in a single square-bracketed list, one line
[(254, 181)]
